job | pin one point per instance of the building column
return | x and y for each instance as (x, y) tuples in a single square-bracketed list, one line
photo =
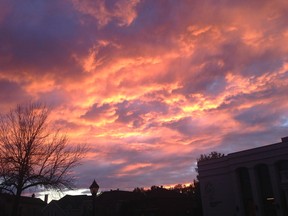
[(276, 189), (255, 192), (286, 196), (239, 208)]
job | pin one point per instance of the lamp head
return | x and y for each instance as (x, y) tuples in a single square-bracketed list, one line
[(94, 187)]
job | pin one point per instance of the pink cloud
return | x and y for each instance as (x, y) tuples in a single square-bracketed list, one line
[(123, 11), (150, 85)]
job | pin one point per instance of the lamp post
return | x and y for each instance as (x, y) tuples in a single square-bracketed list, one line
[(94, 187)]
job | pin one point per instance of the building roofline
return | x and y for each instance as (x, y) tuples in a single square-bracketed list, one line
[(251, 151), (272, 154)]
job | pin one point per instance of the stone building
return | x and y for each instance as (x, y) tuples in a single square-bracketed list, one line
[(253, 182)]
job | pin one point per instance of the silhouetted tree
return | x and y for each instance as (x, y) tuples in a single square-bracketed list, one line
[(32, 154), (211, 155), (178, 188), (155, 188), (139, 190)]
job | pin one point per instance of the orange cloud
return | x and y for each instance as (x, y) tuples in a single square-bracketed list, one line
[(150, 85)]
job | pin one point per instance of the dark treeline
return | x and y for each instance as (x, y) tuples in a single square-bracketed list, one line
[(191, 190), (178, 200)]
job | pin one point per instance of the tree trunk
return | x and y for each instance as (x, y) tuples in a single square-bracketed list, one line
[(16, 203)]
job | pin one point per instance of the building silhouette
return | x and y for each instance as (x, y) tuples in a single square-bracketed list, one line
[(29, 206), (158, 202), (253, 182), (76, 205)]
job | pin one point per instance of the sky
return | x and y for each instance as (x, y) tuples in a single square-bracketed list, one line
[(149, 85)]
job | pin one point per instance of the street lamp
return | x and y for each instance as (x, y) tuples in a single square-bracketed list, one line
[(94, 189)]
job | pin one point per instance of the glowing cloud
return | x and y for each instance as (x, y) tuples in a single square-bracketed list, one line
[(149, 85)]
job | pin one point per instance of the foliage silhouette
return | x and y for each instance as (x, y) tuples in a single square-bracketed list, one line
[(211, 155), (205, 157)]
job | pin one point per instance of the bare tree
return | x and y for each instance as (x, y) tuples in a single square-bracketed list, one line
[(32, 153)]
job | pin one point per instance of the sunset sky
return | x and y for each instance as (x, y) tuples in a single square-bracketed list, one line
[(149, 85)]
